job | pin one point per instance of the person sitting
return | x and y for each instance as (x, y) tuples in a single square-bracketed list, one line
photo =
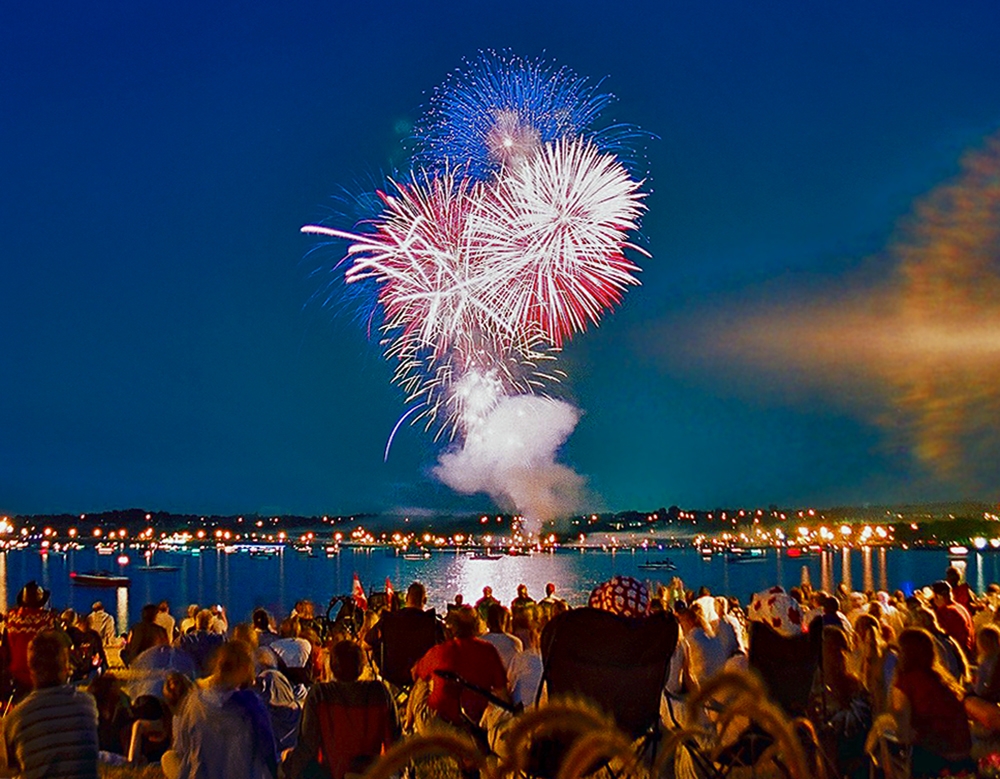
[(484, 603), (87, 657), (165, 619), (103, 623), (53, 731), (202, 642), (498, 625), (190, 621), (222, 730), (926, 702), (144, 634), (953, 618), (294, 652), (842, 705), (400, 638), (949, 652), (25, 621), (262, 624), (983, 704), (346, 724), (466, 655)]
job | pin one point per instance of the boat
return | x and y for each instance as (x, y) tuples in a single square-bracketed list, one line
[(745, 555), (666, 564), (99, 579), (484, 556), (157, 568), (425, 555), (105, 549), (957, 552)]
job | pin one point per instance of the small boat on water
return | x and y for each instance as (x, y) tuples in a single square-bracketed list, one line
[(484, 556), (424, 555), (745, 555), (157, 568), (666, 564), (99, 579)]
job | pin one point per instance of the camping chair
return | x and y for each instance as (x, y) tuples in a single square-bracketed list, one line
[(617, 664), (404, 637), (786, 666)]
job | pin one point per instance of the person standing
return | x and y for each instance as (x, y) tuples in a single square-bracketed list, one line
[(53, 731), (102, 623)]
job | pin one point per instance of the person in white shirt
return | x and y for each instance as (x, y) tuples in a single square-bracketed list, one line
[(498, 623)]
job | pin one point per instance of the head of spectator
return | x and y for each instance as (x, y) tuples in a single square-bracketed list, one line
[(149, 612), (830, 605), (925, 618), (868, 631), (164, 607), (289, 628), (942, 593), (232, 666), (987, 642), (175, 688), (795, 592), (192, 611), (487, 593), (953, 576), (33, 596), (203, 619), (497, 618), (98, 606), (347, 661), (550, 590), (48, 659), (459, 599), (416, 596), (245, 632), (463, 623), (522, 591), (68, 618), (261, 620), (304, 609)]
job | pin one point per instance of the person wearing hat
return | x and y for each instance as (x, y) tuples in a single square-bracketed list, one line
[(102, 623), (25, 621)]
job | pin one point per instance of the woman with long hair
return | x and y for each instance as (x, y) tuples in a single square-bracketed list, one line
[(843, 704), (875, 659), (926, 701)]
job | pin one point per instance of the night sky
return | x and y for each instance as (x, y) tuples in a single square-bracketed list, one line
[(157, 343)]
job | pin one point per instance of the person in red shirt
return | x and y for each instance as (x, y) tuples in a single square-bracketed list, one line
[(25, 621), (467, 655), (961, 593), (953, 618), (927, 705)]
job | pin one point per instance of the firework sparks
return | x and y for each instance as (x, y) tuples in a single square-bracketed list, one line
[(511, 239)]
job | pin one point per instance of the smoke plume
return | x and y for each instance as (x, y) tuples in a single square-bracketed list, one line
[(511, 456)]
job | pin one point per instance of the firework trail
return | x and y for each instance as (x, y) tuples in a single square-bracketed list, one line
[(508, 238)]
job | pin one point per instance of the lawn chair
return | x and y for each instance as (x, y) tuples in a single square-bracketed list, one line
[(617, 664), (401, 638)]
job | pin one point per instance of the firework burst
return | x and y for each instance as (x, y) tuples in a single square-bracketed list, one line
[(510, 239), (502, 108), (556, 229)]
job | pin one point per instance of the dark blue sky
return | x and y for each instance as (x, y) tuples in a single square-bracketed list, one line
[(157, 160)]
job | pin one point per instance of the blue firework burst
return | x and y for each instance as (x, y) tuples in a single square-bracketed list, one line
[(501, 107)]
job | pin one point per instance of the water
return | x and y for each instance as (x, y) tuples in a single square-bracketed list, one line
[(241, 582)]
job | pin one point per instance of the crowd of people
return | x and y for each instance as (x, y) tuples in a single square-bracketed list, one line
[(306, 696)]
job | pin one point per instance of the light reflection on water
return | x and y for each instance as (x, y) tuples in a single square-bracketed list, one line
[(241, 582)]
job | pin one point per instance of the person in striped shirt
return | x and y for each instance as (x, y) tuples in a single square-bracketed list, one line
[(53, 731)]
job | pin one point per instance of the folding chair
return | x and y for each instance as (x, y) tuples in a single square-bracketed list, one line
[(403, 637), (617, 664)]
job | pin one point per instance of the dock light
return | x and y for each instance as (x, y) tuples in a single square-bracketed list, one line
[(123, 559), (995, 543), (845, 530), (979, 542)]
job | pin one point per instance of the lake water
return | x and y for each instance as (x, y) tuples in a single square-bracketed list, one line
[(242, 582)]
